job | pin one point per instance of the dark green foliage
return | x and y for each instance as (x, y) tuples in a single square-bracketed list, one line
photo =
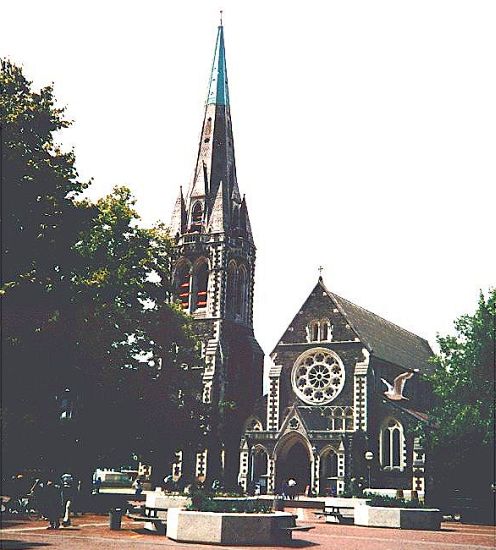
[(461, 447), (41, 223), (205, 501), (354, 488), (392, 502), (86, 321)]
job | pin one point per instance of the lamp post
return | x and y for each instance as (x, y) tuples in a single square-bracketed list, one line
[(369, 456)]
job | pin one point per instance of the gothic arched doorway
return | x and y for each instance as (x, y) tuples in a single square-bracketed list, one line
[(293, 461), (328, 474), (259, 463)]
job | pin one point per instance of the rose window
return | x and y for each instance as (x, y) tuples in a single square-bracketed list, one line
[(318, 376)]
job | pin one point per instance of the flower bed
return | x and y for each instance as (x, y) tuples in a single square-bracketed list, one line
[(231, 505)]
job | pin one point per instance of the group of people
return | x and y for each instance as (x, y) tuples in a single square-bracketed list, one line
[(54, 498)]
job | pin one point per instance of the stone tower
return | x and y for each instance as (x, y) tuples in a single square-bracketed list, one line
[(214, 279)]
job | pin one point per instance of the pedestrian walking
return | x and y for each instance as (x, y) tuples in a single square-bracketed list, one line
[(138, 487), (52, 503), (96, 485), (68, 494), (291, 488)]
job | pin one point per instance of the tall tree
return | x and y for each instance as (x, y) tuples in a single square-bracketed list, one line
[(135, 353), (462, 444), (40, 224), (96, 361)]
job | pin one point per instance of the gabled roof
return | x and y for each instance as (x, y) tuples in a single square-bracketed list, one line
[(384, 339)]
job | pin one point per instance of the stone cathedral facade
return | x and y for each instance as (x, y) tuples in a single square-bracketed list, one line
[(326, 418), (214, 279)]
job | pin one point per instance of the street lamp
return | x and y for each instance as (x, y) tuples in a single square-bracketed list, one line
[(369, 456)]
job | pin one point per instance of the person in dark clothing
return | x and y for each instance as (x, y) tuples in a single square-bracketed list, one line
[(68, 494), (52, 504), (138, 487), (96, 485)]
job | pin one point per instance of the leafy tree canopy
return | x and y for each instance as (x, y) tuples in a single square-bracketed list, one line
[(96, 361), (462, 444)]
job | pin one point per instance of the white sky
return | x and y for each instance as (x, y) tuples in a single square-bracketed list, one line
[(365, 134)]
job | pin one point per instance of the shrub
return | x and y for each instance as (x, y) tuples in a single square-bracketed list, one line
[(354, 488), (392, 502), (203, 501)]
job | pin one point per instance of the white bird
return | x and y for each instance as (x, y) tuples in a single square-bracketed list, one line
[(395, 391)]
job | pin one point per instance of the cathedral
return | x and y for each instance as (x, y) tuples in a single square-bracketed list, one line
[(214, 277), (344, 394)]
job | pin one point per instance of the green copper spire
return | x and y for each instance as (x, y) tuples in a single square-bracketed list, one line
[(218, 91)]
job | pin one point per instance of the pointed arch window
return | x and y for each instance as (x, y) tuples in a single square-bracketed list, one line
[(235, 217), (231, 288), (319, 331), (392, 442), (200, 285), (313, 331), (196, 217), (182, 284), (241, 292), (341, 419), (329, 469)]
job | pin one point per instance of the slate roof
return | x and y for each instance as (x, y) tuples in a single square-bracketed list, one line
[(384, 339), (417, 415)]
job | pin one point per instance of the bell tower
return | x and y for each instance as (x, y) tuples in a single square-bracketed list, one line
[(214, 280)]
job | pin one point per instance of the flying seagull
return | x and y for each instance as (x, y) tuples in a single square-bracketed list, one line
[(395, 391)]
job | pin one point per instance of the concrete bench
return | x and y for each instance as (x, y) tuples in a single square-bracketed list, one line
[(150, 516), (335, 512)]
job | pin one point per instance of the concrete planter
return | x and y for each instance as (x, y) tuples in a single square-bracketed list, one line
[(161, 500), (342, 501), (158, 499), (398, 518), (221, 528), (347, 506)]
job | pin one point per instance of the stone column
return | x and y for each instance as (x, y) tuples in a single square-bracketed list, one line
[(360, 392), (271, 471), (341, 469), (315, 478), (418, 479), (201, 464), (243, 465), (273, 398)]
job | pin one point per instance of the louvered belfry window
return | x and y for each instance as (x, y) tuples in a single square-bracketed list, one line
[(183, 286), (201, 284), (196, 218)]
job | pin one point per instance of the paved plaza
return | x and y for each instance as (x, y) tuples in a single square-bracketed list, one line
[(92, 532)]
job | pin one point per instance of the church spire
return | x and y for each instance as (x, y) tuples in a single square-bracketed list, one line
[(218, 91), (214, 187)]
